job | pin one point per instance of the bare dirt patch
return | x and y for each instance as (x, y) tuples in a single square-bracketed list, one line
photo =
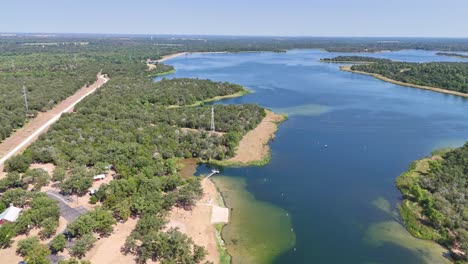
[(8, 255), (49, 167), (197, 222), (254, 145), (107, 250)]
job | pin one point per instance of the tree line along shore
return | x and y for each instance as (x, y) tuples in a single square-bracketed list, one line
[(444, 77), (128, 127), (433, 189)]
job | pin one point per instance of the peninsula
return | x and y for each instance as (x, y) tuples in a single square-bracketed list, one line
[(431, 208), (442, 77)]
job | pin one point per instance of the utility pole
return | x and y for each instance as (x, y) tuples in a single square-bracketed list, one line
[(25, 95), (212, 120)]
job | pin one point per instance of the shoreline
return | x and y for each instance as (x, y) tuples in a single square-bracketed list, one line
[(175, 55), (161, 73), (410, 210), (253, 149), (209, 234), (254, 146), (216, 98), (201, 223), (385, 79)]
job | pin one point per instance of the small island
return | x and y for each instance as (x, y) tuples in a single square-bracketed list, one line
[(434, 203)]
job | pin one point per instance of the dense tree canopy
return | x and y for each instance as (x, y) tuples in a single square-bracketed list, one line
[(354, 59), (48, 79), (449, 54), (452, 76), (435, 205)]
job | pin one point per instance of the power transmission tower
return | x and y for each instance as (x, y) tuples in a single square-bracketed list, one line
[(212, 120), (25, 95)]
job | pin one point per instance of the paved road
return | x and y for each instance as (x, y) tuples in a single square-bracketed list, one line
[(67, 212)]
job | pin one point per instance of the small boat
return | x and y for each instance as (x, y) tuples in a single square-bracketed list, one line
[(214, 171)]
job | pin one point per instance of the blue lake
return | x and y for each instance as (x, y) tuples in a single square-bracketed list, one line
[(335, 160)]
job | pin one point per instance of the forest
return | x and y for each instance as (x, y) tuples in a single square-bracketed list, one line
[(354, 59), (140, 129), (456, 55), (435, 205), (451, 76), (53, 68), (48, 79), (446, 75), (137, 127)]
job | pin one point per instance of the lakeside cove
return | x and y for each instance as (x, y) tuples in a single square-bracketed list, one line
[(325, 127), (221, 238)]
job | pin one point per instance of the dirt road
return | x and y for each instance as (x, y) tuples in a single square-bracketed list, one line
[(23, 137)]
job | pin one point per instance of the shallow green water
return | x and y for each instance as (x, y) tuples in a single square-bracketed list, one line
[(258, 232), (334, 161)]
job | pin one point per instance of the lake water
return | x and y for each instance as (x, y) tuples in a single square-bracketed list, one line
[(335, 160)]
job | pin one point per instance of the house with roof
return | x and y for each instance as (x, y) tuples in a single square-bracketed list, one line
[(10, 214)]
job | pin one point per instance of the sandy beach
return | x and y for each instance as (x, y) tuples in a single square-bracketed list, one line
[(171, 56), (383, 78), (197, 223), (254, 145)]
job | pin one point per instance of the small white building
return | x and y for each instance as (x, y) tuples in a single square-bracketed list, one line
[(10, 214), (99, 177)]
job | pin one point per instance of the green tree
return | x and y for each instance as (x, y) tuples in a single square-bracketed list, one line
[(58, 244), (40, 255), (37, 177), (27, 246), (7, 232), (82, 245), (33, 251), (18, 163)]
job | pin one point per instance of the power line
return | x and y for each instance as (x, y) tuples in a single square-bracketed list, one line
[(25, 95), (212, 120)]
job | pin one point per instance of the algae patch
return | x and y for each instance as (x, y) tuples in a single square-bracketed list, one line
[(257, 232), (304, 110), (393, 232)]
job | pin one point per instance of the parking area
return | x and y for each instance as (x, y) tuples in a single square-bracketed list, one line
[(67, 212)]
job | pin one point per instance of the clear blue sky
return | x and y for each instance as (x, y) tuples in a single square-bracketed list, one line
[(405, 18)]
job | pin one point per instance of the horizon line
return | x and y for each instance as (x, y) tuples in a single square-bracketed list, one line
[(224, 35)]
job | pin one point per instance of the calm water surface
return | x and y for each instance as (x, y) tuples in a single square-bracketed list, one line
[(334, 162)]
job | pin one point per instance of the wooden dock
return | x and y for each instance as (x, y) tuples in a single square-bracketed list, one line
[(213, 172)]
